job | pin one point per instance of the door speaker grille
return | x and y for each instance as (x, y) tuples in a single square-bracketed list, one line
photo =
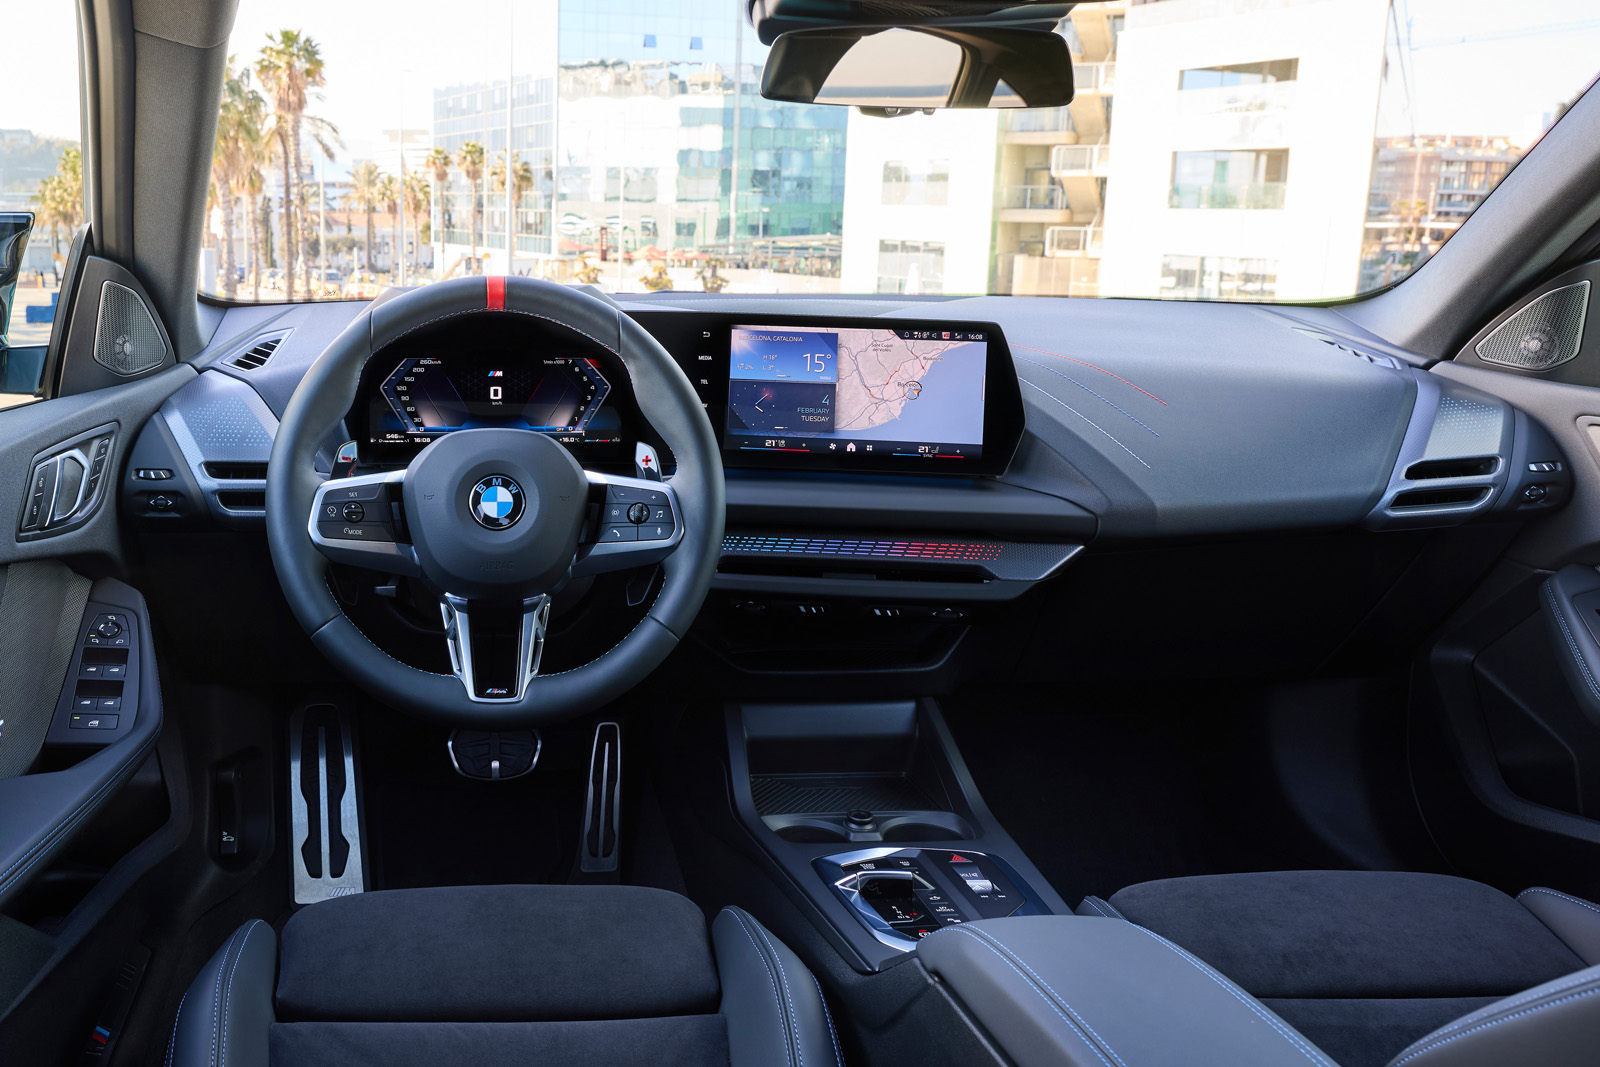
[(126, 338), (1544, 334)]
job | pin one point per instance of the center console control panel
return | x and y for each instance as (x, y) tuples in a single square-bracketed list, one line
[(100, 696), (903, 895)]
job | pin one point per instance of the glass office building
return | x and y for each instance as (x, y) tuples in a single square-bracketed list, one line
[(648, 132)]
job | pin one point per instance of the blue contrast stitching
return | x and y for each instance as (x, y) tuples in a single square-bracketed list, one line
[(1572, 645), (1261, 1013), (228, 993), (1051, 370), (783, 1021), (1085, 418), (172, 1046), (777, 960), (1104, 908), (1555, 893), (1094, 1045), (838, 1056), (1015, 958), (1492, 1022), (216, 996), (88, 808)]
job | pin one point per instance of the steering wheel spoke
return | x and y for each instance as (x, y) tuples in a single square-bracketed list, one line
[(495, 648), (359, 521), (640, 522)]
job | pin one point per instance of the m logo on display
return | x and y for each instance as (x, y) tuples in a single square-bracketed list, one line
[(496, 502)]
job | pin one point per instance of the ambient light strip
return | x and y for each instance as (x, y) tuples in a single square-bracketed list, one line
[(965, 551)]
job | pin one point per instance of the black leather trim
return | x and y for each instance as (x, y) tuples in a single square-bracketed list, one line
[(666, 399), (1552, 1025), (774, 1006), (225, 1018), (1065, 991), (1570, 603), (1576, 922), (1093, 906), (43, 812)]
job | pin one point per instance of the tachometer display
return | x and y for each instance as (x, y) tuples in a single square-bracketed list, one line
[(557, 395)]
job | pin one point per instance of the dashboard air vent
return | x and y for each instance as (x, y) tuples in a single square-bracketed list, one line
[(1468, 467), (1440, 498), (237, 472), (255, 357)]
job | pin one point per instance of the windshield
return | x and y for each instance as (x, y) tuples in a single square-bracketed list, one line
[(1216, 149)]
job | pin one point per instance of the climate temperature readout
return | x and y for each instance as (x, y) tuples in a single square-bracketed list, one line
[(557, 395)]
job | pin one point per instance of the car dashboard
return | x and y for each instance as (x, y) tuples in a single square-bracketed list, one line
[(923, 463)]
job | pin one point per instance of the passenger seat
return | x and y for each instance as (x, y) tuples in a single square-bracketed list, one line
[(1420, 970)]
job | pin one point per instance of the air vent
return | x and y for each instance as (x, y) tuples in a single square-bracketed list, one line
[(1382, 361), (1439, 498), (1471, 467), (242, 499), (255, 357), (236, 472)]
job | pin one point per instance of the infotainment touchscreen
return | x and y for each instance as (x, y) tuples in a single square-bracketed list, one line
[(890, 392)]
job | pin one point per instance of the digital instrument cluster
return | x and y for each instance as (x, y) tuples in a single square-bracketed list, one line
[(419, 398)]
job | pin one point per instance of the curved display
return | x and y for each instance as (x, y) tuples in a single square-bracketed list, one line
[(851, 394), (423, 397)]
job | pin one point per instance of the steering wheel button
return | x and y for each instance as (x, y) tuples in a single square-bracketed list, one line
[(638, 513), (627, 532), (372, 491), (616, 513), (660, 513), (353, 512), (350, 531), (655, 532)]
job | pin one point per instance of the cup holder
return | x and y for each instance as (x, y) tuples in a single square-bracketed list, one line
[(883, 826)]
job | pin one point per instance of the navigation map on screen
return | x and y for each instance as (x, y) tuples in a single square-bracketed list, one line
[(895, 391)]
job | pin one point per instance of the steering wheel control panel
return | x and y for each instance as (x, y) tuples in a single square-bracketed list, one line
[(903, 895), (67, 484), (100, 696)]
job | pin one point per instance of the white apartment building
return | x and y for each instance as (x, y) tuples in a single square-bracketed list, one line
[(1244, 146), (909, 186)]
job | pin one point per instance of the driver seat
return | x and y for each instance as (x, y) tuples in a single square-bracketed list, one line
[(489, 975)]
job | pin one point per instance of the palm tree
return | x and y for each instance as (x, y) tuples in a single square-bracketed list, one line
[(389, 197), (366, 192), (291, 65), (238, 132), (521, 185), (469, 157), (60, 199), (254, 180), (417, 193), (438, 164)]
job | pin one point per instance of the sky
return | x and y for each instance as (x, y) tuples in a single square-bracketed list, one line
[(1477, 66)]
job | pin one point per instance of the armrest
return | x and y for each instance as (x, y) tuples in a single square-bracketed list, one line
[(1054, 990)]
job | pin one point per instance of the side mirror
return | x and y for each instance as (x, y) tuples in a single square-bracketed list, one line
[(14, 229), (898, 70)]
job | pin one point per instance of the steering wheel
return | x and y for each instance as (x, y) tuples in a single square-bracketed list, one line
[(496, 520)]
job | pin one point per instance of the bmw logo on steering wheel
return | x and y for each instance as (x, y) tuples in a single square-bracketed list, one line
[(496, 502)]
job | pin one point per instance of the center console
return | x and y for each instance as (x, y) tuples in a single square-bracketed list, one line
[(872, 820)]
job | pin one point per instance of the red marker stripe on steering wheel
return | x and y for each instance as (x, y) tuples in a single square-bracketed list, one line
[(497, 292)]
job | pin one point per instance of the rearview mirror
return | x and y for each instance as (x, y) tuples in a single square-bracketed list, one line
[(14, 229), (898, 70)]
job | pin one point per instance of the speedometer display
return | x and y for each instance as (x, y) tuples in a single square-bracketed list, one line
[(427, 396)]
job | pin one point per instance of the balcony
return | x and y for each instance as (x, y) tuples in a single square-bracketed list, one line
[(1032, 197), (1053, 276), (1045, 125), (1262, 196), (1033, 203), (1079, 160), (1094, 78), (1069, 241)]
